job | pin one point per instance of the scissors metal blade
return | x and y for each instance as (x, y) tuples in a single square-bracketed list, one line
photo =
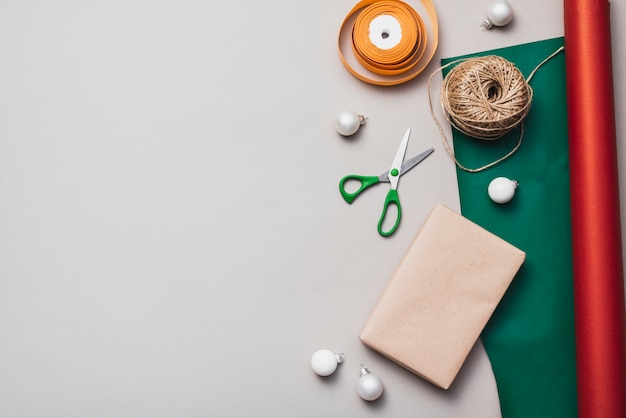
[(408, 164), (396, 165), (412, 162)]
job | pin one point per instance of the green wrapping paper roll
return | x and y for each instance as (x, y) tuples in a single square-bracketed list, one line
[(530, 339)]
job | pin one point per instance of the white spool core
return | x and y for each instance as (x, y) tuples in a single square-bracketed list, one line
[(385, 32)]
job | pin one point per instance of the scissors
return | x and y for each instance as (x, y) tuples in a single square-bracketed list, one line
[(398, 168)]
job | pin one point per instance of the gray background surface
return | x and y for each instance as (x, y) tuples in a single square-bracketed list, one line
[(172, 240)]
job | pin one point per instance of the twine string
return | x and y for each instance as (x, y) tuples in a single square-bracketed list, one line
[(485, 98)]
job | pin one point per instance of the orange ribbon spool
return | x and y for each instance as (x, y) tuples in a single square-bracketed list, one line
[(385, 42)]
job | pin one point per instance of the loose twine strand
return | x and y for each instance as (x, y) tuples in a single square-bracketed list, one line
[(485, 98)]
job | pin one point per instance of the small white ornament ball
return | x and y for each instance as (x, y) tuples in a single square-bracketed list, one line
[(369, 386), (324, 362), (501, 189), (348, 123), (499, 13)]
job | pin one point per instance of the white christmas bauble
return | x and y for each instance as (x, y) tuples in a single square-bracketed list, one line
[(369, 386), (348, 123), (500, 12), (501, 189), (324, 362)]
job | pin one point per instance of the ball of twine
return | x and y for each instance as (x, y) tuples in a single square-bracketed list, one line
[(485, 97)]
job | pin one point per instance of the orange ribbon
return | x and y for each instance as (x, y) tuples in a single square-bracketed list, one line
[(409, 51)]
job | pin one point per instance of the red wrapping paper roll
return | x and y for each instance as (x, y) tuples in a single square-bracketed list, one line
[(596, 232)]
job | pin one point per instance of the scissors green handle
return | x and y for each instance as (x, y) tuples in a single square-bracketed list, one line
[(364, 181), (392, 176), (391, 199)]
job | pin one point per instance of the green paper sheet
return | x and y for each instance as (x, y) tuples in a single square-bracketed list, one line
[(530, 338)]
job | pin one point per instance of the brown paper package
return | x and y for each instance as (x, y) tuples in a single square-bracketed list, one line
[(441, 296)]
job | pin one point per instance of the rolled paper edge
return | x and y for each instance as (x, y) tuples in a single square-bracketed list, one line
[(596, 226)]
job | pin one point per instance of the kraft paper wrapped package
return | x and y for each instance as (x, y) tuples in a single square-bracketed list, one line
[(441, 295)]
